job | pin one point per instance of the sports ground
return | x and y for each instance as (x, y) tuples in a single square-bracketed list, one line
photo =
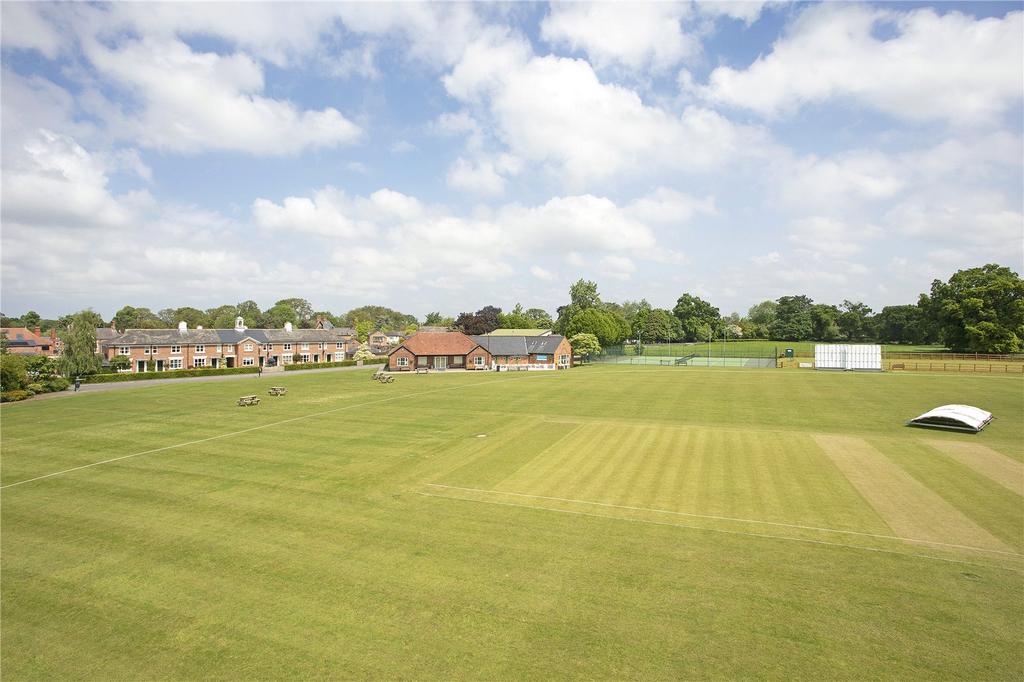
[(603, 522)]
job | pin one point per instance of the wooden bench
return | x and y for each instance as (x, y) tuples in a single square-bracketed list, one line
[(898, 365), (277, 390), (247, 400), (423, 370)]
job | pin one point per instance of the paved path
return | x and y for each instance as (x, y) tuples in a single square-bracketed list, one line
[(123, 385)]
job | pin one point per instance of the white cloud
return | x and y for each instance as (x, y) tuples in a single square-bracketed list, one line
[(746, 11), (634, 35), (479, 177), (668, 206), (540, 273), (617, 267), (193, 102), (24, 27), (948, 66), (766, 259), (556, 112), (325, 214), (831, 238)]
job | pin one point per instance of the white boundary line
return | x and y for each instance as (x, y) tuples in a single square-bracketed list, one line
[(728, 532), (260, 427), (729, 518)]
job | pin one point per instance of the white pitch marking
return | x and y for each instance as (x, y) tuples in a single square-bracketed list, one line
[(254, 428), (727, 532), (729, 518)]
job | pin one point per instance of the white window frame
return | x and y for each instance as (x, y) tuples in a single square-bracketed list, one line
[(248, 362), (478, 361), (542, 357), (124, 350), (174, 363), (304, 346), (563, 359), (248, 347), (287, 347), (304, 357), (340, 345), (220, 348), (176, 349), (199, 362), (152, 350), (458, 360), (200, 349), (402, 361)]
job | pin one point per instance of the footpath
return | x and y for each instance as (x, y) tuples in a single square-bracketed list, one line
[(124, 385)]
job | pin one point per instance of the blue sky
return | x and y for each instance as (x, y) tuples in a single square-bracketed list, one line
[(451, 156)]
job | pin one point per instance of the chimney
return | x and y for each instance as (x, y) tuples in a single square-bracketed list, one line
[(288, 326), (182, 327)]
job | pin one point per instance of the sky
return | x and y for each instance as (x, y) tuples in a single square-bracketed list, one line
[(444, 157)]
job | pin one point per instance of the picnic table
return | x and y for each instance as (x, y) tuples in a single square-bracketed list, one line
[(277, 390), (423, 370), (247, 400)]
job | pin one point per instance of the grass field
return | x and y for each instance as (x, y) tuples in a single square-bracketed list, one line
[(605, 522)]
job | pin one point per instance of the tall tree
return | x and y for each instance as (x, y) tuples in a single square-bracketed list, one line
[(697, 317), (824, 322), (604, 325), (383, 318), (30, 319), (433, 319), (483, 321), (250, 313), (517, 319), (87, 316), (793, 321), (583, 295), (762, 316), (980, 310), (222, 317), (79, 336), (302, 311), (902, 324), (855, 321), (540, 318), (585, 345)]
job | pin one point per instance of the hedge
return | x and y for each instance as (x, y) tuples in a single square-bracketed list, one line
[(323, 365), (173, 374), (14, 396)]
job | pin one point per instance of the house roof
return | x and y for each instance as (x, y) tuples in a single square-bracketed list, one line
[(162, 337), (520, 332), (438, 343), (104, 333), (519, 345), (23, 337)]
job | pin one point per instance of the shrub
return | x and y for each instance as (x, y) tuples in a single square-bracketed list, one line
[(323, 365), (54, 384), (14, 396), (35, 388), (173, 374)]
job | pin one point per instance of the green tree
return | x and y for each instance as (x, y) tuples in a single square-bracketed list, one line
[(585, 345), (278, 314), (363, 330), (824, 322), (607, 327), (13, 375), (363, 353), (119, 362), (137, 318), (583, 295), (761, 317), (698, 318), (39, 367), (902, 324), (87, 316), (434, 319), (381, 317), (250, 313), (793, 321), (540, 318), (302, 311), (517, 319), (661, 325), (980, 310), (855, 321), (31, 319), (222, 317), (79, 336)]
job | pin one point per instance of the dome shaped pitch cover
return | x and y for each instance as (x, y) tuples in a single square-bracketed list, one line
[(954, 418)]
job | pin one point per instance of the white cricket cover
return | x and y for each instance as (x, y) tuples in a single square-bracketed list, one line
[(954, 417), (848, 356)]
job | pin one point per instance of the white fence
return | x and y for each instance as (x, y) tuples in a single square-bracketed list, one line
[(848, 356)]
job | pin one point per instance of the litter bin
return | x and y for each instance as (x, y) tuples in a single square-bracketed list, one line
[(789, 352)]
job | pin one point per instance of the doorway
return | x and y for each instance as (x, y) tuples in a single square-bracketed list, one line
[(441, 362)]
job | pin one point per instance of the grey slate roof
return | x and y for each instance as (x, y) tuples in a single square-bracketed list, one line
[(518, 345), (164, 337)]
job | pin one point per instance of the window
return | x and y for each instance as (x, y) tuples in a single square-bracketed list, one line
[(199, 362), (340, 345), (457, 361), (267, 347), (174, 363), (248, 362), (175, 349), (421, 361), (200, 349), (305, 357), (304, 346), (248, 349), (563, 359), (287, 346), (478, 361), (152, 350), (124, 350), (542, 358), (220, 349), (403, 362)]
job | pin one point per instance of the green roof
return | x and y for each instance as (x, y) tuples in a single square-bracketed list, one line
[(520, 332)]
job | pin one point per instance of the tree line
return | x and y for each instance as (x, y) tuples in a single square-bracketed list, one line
[(977, 310)]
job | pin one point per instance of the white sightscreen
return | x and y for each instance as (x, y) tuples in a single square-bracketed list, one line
[(847, 356)]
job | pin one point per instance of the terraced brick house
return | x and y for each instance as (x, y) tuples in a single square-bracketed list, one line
[(25, 341), (160, 350)]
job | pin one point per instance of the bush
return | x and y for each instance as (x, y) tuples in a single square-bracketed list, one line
[(173, 374), (14, 396), (35, 388), (54, 384), (323, 365), (13, 374)]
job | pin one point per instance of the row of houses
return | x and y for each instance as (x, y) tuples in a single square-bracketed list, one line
[(158, 350), (25, 341), (455, 350)]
